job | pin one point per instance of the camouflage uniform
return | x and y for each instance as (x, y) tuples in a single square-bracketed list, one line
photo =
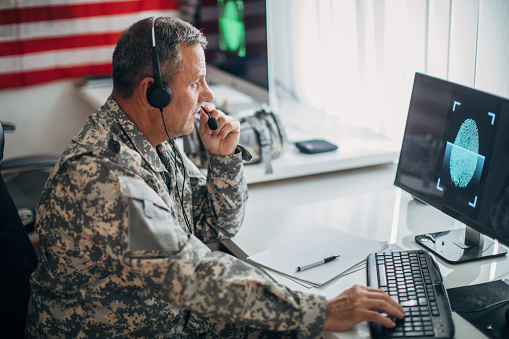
[(117, 260)]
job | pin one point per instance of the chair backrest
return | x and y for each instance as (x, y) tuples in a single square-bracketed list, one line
[(17, 262), (1, 143)]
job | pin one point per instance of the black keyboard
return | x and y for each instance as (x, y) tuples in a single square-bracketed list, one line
[(413, 279)]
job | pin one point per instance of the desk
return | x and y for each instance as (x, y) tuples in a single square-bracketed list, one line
[(361, 201)]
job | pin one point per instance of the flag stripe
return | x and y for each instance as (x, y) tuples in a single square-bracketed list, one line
[(39, 3), (70, 11), (40, 45), (36, 77), (55, 59), (71, 27)]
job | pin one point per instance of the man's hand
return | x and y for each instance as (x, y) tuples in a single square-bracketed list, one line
[(360, 303), (225, 138)]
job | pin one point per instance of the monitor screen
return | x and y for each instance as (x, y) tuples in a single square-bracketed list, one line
[(455, 157), (237, 34)]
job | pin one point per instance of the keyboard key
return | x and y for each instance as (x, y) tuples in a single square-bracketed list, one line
[(381, 275), (409, 303), (414, 333)]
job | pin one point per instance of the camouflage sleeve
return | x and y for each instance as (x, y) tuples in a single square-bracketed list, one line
[(219, 202), (223, 288), (179, 268)]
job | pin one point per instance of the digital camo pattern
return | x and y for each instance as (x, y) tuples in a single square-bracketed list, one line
[(116, 259)]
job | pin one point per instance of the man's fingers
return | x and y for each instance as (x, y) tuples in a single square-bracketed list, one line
[(380, 318), (382, 306), (227, 125), (224, 139), (360, 303), (396, 307)]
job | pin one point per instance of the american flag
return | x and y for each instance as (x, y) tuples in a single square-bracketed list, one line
[(45, 40)]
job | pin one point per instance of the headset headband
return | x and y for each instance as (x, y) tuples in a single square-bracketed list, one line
[(155, 59)]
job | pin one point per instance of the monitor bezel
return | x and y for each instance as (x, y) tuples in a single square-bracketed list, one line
[(428, 199)]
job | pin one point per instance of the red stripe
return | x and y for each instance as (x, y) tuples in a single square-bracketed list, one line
[(62, 12), (57, 43), (12, 80)]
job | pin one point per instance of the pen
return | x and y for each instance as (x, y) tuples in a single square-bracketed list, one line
[(323, 261)]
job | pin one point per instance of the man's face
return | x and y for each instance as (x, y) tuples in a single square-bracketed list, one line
[(190, 90)]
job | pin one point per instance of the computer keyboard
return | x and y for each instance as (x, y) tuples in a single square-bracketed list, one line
[(413, 279)]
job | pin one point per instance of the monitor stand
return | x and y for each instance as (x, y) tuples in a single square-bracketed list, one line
[(460, 245)]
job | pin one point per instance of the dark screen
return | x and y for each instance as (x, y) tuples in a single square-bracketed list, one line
[(455, 154), (237, 34)]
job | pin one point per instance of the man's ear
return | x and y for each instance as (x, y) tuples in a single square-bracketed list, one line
[(142, 89)]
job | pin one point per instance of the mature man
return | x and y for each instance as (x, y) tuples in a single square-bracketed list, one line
[(124, 217)]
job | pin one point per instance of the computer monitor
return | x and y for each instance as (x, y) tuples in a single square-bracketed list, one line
[(237, 52), (455, 157)]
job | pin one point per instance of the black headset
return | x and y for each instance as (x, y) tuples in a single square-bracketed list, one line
[(158, 94)]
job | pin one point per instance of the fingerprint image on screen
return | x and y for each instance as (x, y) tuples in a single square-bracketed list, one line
[(464, 154), (459, 180)]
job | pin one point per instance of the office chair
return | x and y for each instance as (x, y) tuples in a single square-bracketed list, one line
[(24, 177), (17, 262)]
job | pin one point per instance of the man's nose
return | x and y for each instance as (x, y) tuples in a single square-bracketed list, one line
[(206, 95)]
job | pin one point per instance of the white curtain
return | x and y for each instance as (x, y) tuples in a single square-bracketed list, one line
[(356, 59)]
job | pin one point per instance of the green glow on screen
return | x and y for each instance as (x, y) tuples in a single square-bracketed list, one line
[(232, 32)]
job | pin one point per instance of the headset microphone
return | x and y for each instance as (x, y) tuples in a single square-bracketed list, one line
[(212, 122)]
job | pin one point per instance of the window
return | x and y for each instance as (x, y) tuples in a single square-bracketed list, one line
[(356, 59)]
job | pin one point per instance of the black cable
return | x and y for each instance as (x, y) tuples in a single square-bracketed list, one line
[(175, 153), (181, 195), (501, 302)]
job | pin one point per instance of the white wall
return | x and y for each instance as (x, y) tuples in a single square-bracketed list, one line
[(46, 118), (492, 71)]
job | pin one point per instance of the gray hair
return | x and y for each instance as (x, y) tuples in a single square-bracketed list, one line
[(132, 60)]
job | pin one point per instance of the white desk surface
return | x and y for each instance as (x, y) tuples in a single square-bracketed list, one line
[(362, 201)]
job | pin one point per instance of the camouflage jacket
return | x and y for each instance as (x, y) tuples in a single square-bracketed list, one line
[(116, 258)]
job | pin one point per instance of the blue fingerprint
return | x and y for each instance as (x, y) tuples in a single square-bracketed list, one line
[(464, 154)]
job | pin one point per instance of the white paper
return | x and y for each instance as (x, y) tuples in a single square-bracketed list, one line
[(314, 244)]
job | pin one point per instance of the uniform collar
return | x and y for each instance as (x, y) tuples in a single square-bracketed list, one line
[(140, 142)]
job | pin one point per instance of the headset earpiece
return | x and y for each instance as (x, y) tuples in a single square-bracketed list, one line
[(159, 97), (158, 94)]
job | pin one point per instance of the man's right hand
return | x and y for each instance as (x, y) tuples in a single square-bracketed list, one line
[(360, 303), (223, 140)]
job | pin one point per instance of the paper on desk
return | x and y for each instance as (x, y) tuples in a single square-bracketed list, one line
[(355, 268), (313, 244)]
